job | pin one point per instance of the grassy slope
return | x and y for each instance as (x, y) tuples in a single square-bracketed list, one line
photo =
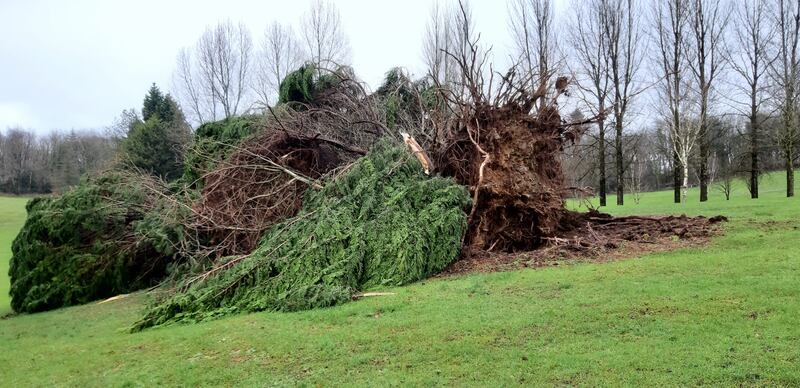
[(12, 216), (726, 314)]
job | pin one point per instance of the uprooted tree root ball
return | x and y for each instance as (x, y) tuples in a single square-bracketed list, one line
[(510, 159), (504, 142), (382, 223)]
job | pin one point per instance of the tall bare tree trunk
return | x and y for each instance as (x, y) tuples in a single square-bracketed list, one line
[(754, 167), (624, 56), (751, 61), (590, 33), (789, 177), (677, 165), (788, 25), (676, 176), (709, 21), (685, 185), (620, 163), (670, 23), (602, 161), (704, 148)]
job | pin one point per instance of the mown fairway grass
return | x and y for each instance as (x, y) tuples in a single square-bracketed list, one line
[(726, 314), (12, 216)]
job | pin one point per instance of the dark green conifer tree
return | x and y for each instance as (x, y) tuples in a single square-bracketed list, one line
[(156, 144)]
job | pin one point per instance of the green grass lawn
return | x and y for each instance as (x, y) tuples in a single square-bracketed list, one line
[(12, 216), (725, 314)]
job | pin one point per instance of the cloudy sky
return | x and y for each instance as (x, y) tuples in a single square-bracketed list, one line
[(78, 64)]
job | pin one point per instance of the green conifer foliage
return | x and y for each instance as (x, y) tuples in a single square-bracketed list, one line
[(87, 244), (382, 224), (304, 85), (156, 144), (213, 142), (152, 147)]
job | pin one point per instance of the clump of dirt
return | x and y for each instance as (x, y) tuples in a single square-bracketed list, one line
[(596, 236)]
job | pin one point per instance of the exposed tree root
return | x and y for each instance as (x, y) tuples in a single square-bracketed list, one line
[(262, 183)]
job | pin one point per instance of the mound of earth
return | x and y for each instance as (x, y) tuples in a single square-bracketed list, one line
[(596, 236)]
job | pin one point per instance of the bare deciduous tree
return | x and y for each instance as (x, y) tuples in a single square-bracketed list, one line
[(725, 158), (750, 61), (590, 50), (465, 37), (439, 40), (118, 130), (447, 40), (635, 173), (213, 81), (17, 151), (671, 17), (324, 37), (279, 54), (190, 91), (684, 139), (532, 26), (624, 60), (41, 164), (708, 24), (786, 72)]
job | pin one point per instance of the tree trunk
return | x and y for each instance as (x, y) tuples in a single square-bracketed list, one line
[(789, 177), (619, 164), (685, 185), (754, 168), (704, 150), (676, 175), (602, 162)]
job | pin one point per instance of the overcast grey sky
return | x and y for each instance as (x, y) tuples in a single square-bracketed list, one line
[(78, 64)]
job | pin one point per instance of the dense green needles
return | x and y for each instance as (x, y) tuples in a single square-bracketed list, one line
[(383, 223)]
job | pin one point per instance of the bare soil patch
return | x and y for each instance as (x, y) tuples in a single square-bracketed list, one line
[(598, 237)]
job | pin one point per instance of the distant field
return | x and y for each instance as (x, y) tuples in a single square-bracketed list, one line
[(12, 216), (726, 314)]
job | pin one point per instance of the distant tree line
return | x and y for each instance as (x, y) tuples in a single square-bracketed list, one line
[(686, 92), (30, 163), (650, 164), (153, 143), (721, 77)]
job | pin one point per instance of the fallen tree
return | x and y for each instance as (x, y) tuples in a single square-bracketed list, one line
[(298, 208), (383, 222), (262, 181)]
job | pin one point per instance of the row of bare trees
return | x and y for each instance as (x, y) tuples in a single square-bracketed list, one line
[(226, 74), (675, 64), (650, 157), (751, 53), (40, 164), (604, 40)]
